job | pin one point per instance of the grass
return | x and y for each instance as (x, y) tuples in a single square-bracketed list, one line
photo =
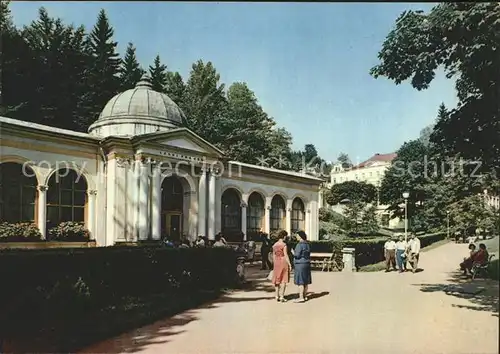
[(381, 265)]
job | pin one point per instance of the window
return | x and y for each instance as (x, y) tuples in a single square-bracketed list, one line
[(66, 197), (255, 214), (172, 194), (298, 215), (278, 213), (231, 213), (17, 193)]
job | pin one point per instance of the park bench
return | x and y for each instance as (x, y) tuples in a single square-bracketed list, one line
[(481, 269), (325, 261)]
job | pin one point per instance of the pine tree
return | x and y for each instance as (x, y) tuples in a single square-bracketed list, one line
[(130, 71), (158, 73), (102, 79), (175, 87)]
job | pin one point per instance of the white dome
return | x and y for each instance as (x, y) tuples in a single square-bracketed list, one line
[(137, 111)]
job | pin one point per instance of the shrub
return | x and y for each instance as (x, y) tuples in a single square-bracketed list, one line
[(19, 232), (69, 231), (61, 292)]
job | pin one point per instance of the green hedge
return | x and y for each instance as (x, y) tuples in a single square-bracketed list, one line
[(368, 250), (54, 292)]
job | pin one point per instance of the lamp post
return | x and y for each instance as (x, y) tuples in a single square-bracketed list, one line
[(405, 196), (448, 223)]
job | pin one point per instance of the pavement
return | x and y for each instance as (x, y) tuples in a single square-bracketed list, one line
[(432, 311)]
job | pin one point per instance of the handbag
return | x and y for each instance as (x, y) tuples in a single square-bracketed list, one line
[(270, 275)]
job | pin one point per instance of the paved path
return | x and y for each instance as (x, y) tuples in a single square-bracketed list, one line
[(366, 313)]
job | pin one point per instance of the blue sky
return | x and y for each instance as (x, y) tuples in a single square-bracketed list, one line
[(308, 63)]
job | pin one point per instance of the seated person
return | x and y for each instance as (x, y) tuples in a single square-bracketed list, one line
[(466, 265), (481, 256), (219, 241)]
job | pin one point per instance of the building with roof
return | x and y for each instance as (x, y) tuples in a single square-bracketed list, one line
[(138, 174)]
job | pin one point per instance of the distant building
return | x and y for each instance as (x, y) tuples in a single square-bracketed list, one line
[(371, 171)]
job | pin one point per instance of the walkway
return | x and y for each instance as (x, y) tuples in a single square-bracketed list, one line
[(366, 313)]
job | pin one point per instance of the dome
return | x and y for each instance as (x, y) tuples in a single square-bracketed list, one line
[(137, 111)]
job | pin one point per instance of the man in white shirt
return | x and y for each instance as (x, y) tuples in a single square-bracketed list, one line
[(414, 251), (401, 247), (390, 254)]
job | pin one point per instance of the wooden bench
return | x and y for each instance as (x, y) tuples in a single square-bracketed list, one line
[(319, 259), (481, 269)]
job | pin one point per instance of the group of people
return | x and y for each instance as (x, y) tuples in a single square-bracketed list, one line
[(282, 266), (479, 257), (399, 254)]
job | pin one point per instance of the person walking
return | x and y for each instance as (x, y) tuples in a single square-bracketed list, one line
[(414, 252), (281, 267), (401, 247), (302, 260), (264, 252), (390, 254)]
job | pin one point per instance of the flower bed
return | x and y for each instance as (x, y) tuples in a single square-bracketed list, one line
[(55, 297)]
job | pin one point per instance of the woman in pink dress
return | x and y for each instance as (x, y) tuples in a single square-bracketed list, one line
[(281, 267)]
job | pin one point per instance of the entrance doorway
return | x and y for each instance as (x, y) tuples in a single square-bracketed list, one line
[(173, 225), (172, 206)]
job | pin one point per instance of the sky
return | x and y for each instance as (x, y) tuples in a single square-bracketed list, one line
[(308, 63)]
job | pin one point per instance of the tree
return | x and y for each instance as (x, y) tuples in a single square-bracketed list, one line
[(130, 70), (344, 159), (353, 191), (463, 38), (175, 88), (369, 220), (102, 81), (158, 73), (247, 126), (470, 213), (353, 213), (408, 173), (205, 103)]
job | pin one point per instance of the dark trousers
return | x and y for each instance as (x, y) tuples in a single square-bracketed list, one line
[(266, 263), (390, 259)]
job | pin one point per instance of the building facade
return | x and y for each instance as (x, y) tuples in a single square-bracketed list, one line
[(139, 175)]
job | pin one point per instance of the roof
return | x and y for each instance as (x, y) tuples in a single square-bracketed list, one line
[(376, 158), (275, 170)]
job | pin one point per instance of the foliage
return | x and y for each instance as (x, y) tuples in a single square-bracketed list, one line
[(463, 39), (130, 70), (353, 191), (470, 213), (369, 220), (19, 232), (69, 231), (344, 160), (61, 75), (57, 294)]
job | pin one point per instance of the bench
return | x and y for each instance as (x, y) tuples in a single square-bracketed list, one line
[(325, 260), (481, 269)]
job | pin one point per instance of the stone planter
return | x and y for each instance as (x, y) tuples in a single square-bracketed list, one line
[(47, 244)]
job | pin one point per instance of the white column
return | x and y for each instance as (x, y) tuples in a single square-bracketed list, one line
[(202, 204), (156, 203), (288, 220), (42, 210), (91, 216), (244, 220), (267, 216), (144, 201), (136, 196), (308, 223), (211, 203)]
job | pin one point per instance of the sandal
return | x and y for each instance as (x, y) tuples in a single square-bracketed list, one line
[(282, 300), (299, 300)]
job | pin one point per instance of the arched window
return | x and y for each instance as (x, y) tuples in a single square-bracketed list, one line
[(17, 193), (298, 215), (255, 214), (278, 213), (66, 197), (172, 194), (231, 214)]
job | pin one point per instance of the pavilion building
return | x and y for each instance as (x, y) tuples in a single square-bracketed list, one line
[(139, 175)]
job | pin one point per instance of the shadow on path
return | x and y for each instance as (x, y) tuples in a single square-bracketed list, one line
[(162, 331), (481, 293)]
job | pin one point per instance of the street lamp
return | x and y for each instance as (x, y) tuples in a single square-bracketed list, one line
[(448, 223), (405, 196)]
